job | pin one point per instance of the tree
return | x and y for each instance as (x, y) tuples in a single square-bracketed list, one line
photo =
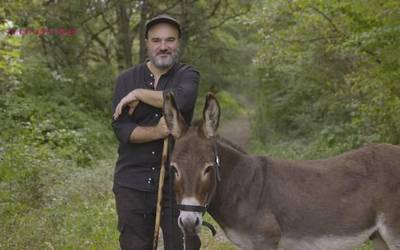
[(330, 66)]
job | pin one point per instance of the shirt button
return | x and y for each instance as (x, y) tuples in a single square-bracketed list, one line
[(151, 75), (149, 180), (156, 115), (153, 168), (153, 153), (151, 83)]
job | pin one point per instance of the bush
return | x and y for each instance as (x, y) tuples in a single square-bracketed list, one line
[(230, 106)]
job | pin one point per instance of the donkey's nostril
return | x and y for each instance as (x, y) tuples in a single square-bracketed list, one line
[(197, 222)]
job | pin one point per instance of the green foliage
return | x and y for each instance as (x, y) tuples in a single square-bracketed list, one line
[(230, 106), (50, 130), (225, 63), (331, 68), (78, 212), (10, 54), (322, 75)]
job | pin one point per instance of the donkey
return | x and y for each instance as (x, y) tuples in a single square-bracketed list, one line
[(264, 203)]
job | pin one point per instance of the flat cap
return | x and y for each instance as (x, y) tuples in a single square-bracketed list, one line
[(162, 19)]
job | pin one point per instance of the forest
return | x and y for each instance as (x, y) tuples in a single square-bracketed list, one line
[(314, 78)]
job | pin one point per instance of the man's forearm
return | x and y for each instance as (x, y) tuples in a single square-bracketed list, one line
[(145, 134), (151, 97)]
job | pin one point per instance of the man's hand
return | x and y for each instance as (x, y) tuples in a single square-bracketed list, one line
[(130, 100), (162, 128), (145, 134)]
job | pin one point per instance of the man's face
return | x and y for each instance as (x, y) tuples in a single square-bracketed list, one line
[(162, 45)]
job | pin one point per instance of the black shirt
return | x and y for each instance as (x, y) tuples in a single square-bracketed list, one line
[(138, 164)]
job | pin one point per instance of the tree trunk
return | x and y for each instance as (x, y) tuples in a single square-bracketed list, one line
[(143, 17), (184, 26), (125, 37)]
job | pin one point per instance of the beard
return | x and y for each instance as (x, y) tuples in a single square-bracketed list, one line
[(164, 60)]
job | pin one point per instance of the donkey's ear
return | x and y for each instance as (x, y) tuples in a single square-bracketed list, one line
[(211, 114), (175, 122)]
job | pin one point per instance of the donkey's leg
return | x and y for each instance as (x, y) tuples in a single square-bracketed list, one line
[(391, 236), (265, 247), (378, 242), (389, 229), (270, 233)]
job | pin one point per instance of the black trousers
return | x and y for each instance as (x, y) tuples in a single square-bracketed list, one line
[(136, 220)]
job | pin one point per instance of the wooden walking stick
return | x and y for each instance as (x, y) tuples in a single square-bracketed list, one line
[(160, 193)]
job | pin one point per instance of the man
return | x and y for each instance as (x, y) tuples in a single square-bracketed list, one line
[(140, 129)]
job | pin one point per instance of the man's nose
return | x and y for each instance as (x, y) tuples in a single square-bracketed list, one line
[(163, 45)]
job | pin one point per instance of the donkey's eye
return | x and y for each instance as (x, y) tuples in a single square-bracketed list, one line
[(174, 169), (206, 172), (207, 169)]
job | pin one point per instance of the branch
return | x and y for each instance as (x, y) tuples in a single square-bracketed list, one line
[(43, 43), (376, 58), (97, 14), (172, 6), (327, 18), (226, 19), (214, 9), (311, 40), (95, 37), (110, 25)]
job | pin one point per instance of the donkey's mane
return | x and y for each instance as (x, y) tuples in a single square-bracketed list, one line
[(231, 144), (220, 139)]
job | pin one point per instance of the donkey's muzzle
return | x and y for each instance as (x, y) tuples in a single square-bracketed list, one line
[(190, 222)]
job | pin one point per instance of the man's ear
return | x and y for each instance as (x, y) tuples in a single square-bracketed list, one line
[(211, 115), (173, 118)]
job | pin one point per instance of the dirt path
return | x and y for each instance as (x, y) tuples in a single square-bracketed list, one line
[(237, 131)]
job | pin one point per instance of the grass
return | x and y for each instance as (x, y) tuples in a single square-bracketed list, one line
[(79, 213), (78, 210), (218, 242)]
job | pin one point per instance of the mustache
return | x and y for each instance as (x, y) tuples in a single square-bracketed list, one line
[(163, 53)]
